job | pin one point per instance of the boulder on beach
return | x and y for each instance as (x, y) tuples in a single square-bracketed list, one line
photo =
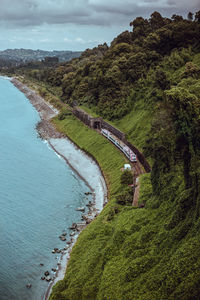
[(88, 221), (54, 270), (46, 273), (62, 238), (48, 278), (88, 193), (89, 203), (56, 250), (73, 226)]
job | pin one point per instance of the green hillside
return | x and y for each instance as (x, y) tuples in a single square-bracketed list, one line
[(147, 83)]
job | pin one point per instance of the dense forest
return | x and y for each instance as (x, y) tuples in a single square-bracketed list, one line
[(148, 84), (105, 77)]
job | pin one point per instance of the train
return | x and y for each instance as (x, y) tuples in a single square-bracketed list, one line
[(125, 149)]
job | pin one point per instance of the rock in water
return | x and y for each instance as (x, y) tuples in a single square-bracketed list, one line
[(81, 209)]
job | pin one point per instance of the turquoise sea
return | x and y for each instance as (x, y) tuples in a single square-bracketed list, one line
[(38, 197)]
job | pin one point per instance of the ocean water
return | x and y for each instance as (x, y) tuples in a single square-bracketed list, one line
[(38, 197)]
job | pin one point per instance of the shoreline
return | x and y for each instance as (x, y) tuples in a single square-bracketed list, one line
[(59, 142)]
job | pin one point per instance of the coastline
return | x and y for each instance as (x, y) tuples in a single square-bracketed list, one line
[(65, 148)]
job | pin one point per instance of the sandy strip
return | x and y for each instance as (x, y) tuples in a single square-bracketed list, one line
[(79, 161)]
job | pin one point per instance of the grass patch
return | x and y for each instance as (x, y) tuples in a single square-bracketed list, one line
[(145, 188), (109, 158)]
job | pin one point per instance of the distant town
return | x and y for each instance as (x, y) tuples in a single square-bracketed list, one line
[(14, 57)]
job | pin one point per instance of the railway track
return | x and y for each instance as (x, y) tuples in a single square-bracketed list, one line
[(136, 166)]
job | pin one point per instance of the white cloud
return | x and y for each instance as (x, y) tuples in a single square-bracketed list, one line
[(83, 12), (79, 40), (45, 40), (67, 40)]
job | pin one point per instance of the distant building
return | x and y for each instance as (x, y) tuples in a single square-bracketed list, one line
[(51, 59)]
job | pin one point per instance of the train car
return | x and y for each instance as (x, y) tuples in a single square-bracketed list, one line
[(130, 154), (125, 149), (105, 132)]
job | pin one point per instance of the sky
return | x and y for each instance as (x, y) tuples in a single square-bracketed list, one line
[(76, 24)]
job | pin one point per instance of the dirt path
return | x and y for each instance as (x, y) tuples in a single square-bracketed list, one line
[(138, 170), (136, 193)]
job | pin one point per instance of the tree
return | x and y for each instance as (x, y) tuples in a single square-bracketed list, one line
[(124, 37), (140, 27), (126, 177), (177, 18), (191, 70), (185, 116), (197, 16), (190, 16), (156, 20), (152, 41), (161, 80)]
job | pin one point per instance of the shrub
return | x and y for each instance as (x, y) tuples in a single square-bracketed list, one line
[(64, 112), (127, 177), (126, 197)]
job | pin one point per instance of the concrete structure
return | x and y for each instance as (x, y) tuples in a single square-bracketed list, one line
[(127, 167)]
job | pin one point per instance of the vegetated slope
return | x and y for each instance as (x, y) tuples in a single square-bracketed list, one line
[(148, 83), (151, 253)]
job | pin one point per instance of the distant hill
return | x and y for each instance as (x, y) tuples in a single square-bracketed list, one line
[(28, 55)]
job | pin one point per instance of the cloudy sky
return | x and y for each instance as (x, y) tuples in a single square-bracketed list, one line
[(76, 24)]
